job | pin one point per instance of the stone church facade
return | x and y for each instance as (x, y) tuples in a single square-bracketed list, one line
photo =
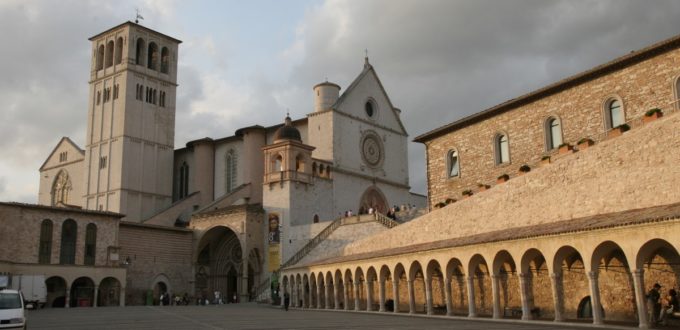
[(219, 214), (561, 205)]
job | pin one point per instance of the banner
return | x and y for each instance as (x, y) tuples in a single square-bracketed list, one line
[(274, 258), (274, 236)]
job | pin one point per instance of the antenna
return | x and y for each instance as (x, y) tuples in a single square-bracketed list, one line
[(137, 16)]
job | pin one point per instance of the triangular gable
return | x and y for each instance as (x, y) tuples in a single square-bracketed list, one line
[(65, 141), (368, 69)]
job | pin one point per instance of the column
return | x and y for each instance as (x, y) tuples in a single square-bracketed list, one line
[(472, 310), (96, 295), (595, 297), (369, 295), (318, 295), (496, 293), (122, 297), (411, 297), (447, 294), (327, 296), (381, 295), (345, 295), (336, 299), (243, 288), (68, 297), (282, 294), (304, 296), (357, 302), (640, 299), (558, 299), (293, 296), (524, 294), (395, 293), (428, 295)]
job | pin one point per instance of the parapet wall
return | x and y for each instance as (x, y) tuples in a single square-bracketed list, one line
[(639, 169)]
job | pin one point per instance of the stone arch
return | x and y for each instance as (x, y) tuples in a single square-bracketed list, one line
[(610, 269), (330, 290), (359, 289), (385, 280), (109, 53), (570, 272), (100, 57), (657, 261), (313, 297), (349, 290), (505, 269), (140, 51), (152, 56), (374, 197), (82, 292), (119, 50), (455, 274), (305, 291), (340, 292), (371, 289), (434, 278), (416, 293), (479, 287), (165, 60), (534, 268), (300, 163), (399, 275), (321, 290), (56, 291), (109, 292), (219, 254)]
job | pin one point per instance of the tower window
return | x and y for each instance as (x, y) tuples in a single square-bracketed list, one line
[(183, 188), (230, 170), (109, 54), (553, 133), (453, 164), (152, 56), (165, 60), (100, 57), (69, 235), (139, 53), (102, 162), (501, 149), (119, 50), (99, 97), (614, 116), (116, 91)]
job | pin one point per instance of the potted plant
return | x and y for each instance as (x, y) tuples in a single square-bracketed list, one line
[(450, 201), (545, 160), (502, 178), (483, 187), (565, 148), (618, 130), (652, 115), (467, 193), (524, 169), (584, 143), (439, 205)]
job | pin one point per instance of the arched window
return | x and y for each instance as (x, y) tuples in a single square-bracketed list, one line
[(109, 54), (453, 165), (614, 116), (90, 244), (69, 234), (139, 53), (230, 170), (278, 164), (183, 180), (119, 50), (299, 163), (553, 133), (314, 168), (61, 188), (152, 56), (316, 218), (321, 168), (100, 57), (501, 149), (165, 60), (45, 247)]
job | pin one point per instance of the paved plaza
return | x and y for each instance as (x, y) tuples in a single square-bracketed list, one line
[(247, 316)]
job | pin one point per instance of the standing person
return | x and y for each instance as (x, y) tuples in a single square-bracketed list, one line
[(653, 304), (234, 299), (670, 305), (286, 301)]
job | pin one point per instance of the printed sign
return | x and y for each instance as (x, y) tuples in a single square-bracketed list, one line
[(274, 236)]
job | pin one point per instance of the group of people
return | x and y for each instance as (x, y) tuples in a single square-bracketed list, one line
[(176, 300), (661, 307)]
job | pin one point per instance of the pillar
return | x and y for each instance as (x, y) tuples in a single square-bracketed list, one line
[(428, 295), (447, 295), (282, 294), (243, 284), (558, 298), (68, 297), (411, 297), (357, 302), (369, 295), (293, 295), (345, 295), (524, 294), (96, 296), (327, 296), (640, 299), (336, 299), (122, 297), (304, 295), (496, 293), (472, 310), (395, 293), (318, 295), (595, 297), (381, 295)]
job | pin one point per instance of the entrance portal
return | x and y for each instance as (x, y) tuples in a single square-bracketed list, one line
[(373, 198)]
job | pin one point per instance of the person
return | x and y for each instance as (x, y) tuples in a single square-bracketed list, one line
[(234, 300), (653, 304), (370, 210), (350, 213), (286, 301), (670, 306), (160, 299)]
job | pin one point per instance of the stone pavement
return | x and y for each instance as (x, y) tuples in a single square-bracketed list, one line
[(248, 316)]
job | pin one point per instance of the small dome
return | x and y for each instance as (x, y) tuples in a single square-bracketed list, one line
[(287, 132)]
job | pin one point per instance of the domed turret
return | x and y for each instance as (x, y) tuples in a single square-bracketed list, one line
[(325, 95), (287, 132)]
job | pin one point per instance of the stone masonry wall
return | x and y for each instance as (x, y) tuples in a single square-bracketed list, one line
[(641, 87), (639, 168)]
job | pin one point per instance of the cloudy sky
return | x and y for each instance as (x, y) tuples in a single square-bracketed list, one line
[(246, 62)]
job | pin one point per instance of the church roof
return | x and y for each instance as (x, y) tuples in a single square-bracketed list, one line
[(632, 58), (135, 25), (287, 132), (64, 139)]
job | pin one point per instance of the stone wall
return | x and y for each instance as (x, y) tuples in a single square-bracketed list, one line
[(639, 168), (156, 254), (580, 107)]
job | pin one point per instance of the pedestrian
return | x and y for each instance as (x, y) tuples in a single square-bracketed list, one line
[(234, 299), (669, 307), (286, 301), (653, 304), (370, 210), (160, 299)]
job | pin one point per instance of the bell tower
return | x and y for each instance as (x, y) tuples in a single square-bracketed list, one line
[(131, 121)]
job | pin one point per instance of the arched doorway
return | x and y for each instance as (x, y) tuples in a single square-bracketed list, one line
[(374, 198), (220, 259), (82, 292), (109, 292), (158, 289), (56, 292)]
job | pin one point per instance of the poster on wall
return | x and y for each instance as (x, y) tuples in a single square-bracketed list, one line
[(274, 258), (274, 236)]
